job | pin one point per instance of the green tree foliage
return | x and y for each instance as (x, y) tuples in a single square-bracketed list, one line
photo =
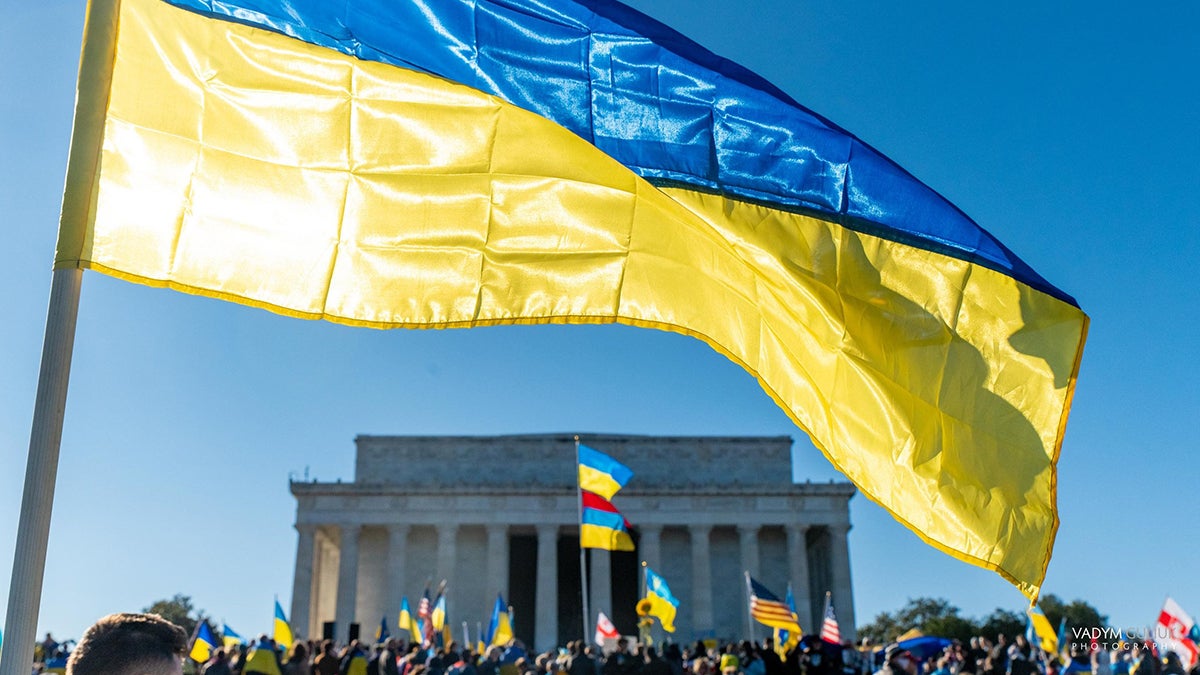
[(178, 610), (1002, 622), (937, 617), (1079, 614)]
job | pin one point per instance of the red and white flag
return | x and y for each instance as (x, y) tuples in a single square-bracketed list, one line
[(605, 629), (829, 624), (1176, 632)]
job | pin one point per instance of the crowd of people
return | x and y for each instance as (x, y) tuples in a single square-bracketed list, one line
[(811, 656)]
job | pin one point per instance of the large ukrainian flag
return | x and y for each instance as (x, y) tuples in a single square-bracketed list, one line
[(472, 162)]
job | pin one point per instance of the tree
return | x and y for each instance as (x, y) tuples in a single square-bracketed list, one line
[(1002, 622), (178, 610), (1079, 614), (931, 616)]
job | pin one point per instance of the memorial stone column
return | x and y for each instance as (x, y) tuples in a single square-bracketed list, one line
[(347, 589), (302, 582), (650, 546), (396, 572), (843, 591), (702, 601), (748, 544), (545, 635), (497, 565), (600, 581), (447, 555), (797, 546)]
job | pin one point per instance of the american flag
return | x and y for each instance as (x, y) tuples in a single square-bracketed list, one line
[(829, 627), (768, 609)]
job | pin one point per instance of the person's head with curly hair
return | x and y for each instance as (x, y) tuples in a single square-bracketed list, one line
[(130, 644)]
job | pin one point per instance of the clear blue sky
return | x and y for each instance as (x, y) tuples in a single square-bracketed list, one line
[(1070, 130)]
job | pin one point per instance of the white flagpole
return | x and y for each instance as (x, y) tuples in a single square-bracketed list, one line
[(41, 471), (583, 576), (97, 53)]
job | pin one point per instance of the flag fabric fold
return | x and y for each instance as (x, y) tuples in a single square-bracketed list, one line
[(407, 622), (578, 162), (499, 632), (767, 609), (605, 630), (663, 605), (601, 474), (602, 525), (1176, 631), (1039, 631), (230, 637), (829, 625), (203, 644), (282, 631), (786, 639)]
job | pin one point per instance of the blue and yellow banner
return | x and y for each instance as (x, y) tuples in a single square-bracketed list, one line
[(409, 163), (407, 621), (203, 644), (601, 474), (663, 605), (602, 525), (283, 631), (499, 632)]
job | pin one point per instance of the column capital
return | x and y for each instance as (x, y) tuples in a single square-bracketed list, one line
[(398, 528), (748, 530), (351, 530), (839, 528), (545, 530), (650, 528), (308, 529), (700, 528)]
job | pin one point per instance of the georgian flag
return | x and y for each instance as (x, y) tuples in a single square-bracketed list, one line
[(605, 629)]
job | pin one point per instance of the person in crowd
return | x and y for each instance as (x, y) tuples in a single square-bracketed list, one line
[(297, 661), (354, 660), (897, 661), (262, 658), (654, 664), (129, 644), (218, 664), (579, 662), (620, 662), (327, 662)]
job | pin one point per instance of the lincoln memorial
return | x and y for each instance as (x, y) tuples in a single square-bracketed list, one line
[(500, 514)]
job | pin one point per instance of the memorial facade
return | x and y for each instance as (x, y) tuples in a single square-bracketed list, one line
[(500, 514)]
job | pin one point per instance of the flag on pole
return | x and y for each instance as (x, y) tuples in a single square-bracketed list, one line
[(1176, 631), (319, 176), (230, 637), (499, 632), (829, 624), (406, 621), (382, 634), (663, 604), (203, 644), (786, 639), (602, 525), (283, 631), (600, 473), (605, 629), (1039, 632), (438, 617), (767, 609)]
